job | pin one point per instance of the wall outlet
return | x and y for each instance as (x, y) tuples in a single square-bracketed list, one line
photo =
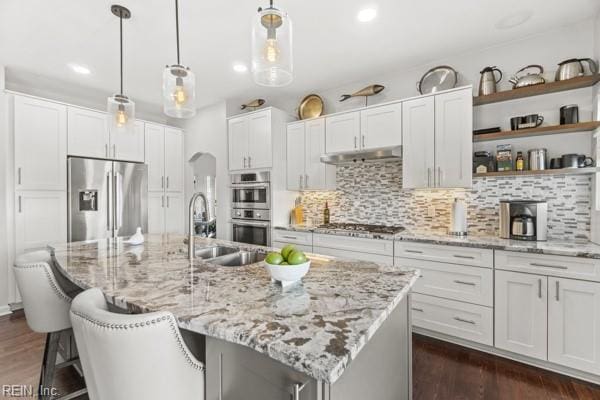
[(431, 211)]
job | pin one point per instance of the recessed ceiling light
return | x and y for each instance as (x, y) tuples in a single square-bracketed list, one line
[(80, 69), (366, 14), (514, 19), (240, 67)]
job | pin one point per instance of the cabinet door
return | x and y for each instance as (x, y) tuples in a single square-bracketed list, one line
[(238, 143), (40, 135), (156, 212), (574, 324), (454, 139), (342, 132), (381, 126), (260, 153), (87, 133), (174, 213), (128, 146), (318, 175), (295, 156), (173, 160), (418, 135), (521, 316), (40, 219), (155, 156)]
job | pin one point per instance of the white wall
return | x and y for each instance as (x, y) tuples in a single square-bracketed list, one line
[(4, 159), (207, 133)]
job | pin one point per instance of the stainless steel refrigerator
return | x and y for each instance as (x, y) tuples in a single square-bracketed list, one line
[(106, 198)]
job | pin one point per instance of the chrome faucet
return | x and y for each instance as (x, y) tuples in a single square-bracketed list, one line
[(191, 226)]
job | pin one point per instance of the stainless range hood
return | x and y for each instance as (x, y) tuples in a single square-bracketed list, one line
[(387, 154)]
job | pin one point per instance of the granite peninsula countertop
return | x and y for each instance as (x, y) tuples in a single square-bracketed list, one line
[(573, 248), (317, 327)]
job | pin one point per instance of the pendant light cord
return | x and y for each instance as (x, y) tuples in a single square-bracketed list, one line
[(121, 35), (177, 28)]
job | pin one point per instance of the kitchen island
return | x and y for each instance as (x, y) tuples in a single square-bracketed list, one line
[(343, 333)]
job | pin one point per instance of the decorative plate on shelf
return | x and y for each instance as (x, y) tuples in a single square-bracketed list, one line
[(311, 107)]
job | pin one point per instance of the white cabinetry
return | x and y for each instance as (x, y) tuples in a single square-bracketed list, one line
[(156, 212), (521, 317), (342, 132), (89, 136), (437, 136), (305, 145), (574, 324), (40, 139), (249, 138), (174, 213), (40, 219)]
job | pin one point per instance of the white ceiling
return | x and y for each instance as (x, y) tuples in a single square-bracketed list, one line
[(39, 38)]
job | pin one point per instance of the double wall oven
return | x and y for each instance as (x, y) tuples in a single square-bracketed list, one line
[(251, 208)]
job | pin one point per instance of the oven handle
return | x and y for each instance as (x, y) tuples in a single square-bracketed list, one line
[(249, 186), (250, 223)]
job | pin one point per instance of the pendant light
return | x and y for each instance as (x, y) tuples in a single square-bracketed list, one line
[(121, 110), (272, 47), (179, 84)]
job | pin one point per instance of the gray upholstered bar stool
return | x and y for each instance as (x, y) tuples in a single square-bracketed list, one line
[(47, 311), (133, 356)]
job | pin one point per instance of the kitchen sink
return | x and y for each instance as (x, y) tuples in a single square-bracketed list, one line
[(239, 259), (215, 251)]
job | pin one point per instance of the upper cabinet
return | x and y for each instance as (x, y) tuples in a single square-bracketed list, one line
[(342, 132), (250, 141), (164, 156), (89, 136), (305, 145), (40, 140), (381, 126), (437, 137)]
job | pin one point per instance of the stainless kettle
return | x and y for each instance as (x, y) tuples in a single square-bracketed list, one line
[(529, 79), (573, 67), (523, 225), (488, 81)]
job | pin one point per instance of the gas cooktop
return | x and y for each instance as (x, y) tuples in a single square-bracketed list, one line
[(382, 229)]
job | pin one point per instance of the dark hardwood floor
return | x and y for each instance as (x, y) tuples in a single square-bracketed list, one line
[(442, 371)]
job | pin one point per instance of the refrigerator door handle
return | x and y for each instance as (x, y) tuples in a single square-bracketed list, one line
[(118, 205), (109, 210)]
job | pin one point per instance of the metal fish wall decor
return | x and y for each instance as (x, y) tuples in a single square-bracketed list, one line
[(254, 104), (368, 91)]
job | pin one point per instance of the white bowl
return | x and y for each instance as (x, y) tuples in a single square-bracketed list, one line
[(288, 273)]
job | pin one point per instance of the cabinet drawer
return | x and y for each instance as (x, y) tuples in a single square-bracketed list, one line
[(449, 254), (353, 255), (373, 246), (303, 238), (466, 321), (568, 267), (451, 281), (304, 248)]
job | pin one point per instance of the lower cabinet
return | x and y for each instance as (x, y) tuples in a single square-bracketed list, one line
[(40, 219), (353, 255), (521, 317), (574, 324), (165, 213), (304, 248)]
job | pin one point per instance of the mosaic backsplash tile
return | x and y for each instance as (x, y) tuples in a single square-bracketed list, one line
[(372, 193)]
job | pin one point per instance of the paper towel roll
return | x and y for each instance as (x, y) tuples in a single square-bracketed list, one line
[(459, 217)]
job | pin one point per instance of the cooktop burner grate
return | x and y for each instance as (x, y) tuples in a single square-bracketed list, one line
[(383, 229)]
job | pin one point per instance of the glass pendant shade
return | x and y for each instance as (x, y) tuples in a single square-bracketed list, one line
[(179, 92), (272, 48), (121, 114)]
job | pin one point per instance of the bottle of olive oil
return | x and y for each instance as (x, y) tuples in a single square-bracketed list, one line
[(520, 162), (326, 214)]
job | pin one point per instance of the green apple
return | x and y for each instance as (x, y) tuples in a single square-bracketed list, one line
[(284, 263), (274, 258), (287, 249), (296, 257)]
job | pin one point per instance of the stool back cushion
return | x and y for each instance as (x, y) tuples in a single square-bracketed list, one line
[(139, 356)]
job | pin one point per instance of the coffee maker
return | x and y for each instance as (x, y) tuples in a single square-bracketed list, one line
[(523, 220)]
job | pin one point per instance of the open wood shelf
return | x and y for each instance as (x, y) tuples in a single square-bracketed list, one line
[(539, 131), (536, 90), (563, 171)]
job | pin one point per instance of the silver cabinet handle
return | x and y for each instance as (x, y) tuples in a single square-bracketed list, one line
[(557, 290), (106, 150), (167, 201), (413, 251), (306, 181), (363, 141), (162, 182), (167, 182), (300, 181), (20, 205), (355, 139), (428, 177), (417, 309), (162, 201), (108, 213), (465, 283), (290, 237), (467, 321), (540, 288), (244, 162), (114, 150), (548, 266), (19, 175), (249, 162), (439, 183), (297, 388), (465, 257)]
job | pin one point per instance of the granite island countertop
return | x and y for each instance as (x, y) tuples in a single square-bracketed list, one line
[(317, 327), (573, 248)]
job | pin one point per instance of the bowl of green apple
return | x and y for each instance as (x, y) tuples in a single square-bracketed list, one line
[(287, 266)]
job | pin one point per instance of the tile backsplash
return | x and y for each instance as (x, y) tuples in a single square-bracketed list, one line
[(372, 193)]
